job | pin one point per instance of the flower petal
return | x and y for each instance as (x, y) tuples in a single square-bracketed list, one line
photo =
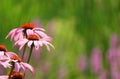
[(5, 64), (28, 67), (40, 29), (17, 66), (40, 33), (46, 44), (36, 44), (40, 43), (2, 53), (30, 43), (11, 33), (10, 54), (29, 32)]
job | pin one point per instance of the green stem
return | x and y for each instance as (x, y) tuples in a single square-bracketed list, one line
[(31, 49), (11, 70), (30, 53), (24, 51)]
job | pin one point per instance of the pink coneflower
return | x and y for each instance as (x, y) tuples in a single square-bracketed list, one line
[(19, 64), (19, 33), (34, 40)]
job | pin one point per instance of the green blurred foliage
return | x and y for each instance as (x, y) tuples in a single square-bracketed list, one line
[(79, 25)]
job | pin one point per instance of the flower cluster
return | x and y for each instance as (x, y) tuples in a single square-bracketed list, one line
[(96, 64), (28, 35)]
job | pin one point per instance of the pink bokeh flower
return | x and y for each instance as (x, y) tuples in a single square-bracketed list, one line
[(96, 60), (34, 40)]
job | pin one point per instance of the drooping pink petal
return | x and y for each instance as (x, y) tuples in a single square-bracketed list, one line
[(21, 42), (11, 33), (10, 54), (23, 67), (47, 38), (30, 43), (36, 44), (21, 46), (17, 66), (50, 45), (28, 67), (40, 33), (4, 58), (40, 43), (18, 36), (5, 64), (19, 30)]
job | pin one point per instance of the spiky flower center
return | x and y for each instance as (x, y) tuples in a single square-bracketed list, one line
[(16, 58), (28, 26), (16, 75), (33, 37), (3, 48)]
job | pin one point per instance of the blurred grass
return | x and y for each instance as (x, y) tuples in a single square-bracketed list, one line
[(79, 26)]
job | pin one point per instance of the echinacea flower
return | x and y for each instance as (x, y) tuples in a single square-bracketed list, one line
[(20, 33), (34, 40), (19, 64)]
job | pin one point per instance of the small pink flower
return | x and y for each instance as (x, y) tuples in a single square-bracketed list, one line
[(34, 40), (5, 59), (19, 64)]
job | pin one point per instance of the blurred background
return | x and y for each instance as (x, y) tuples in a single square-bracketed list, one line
[(85, 35)]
